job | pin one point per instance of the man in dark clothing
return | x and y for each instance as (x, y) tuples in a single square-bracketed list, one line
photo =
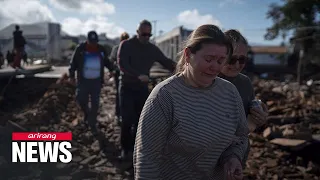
[(18, 44), (1, 60), (135, 59), (113, 58), (88, 60), (9, 57)]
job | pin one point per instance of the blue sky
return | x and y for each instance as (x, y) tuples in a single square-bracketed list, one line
[(116, 16)]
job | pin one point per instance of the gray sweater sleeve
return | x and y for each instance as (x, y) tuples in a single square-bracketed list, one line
[(239, 145), (124, 59), (151, 136)]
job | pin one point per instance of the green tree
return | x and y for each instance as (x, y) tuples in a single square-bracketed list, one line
[(299, 16)]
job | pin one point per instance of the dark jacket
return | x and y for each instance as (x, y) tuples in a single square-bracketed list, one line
[(244, 87), (18, 39), (77, 62), (135, 58), (113, 57)]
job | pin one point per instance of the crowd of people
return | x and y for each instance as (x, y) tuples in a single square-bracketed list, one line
[(193, 125), (18, 52)]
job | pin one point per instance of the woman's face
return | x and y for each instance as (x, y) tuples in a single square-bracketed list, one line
[(238, 60), (206, 64)]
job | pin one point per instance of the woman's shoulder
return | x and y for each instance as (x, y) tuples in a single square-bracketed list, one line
[(222, 83), (244, 78), (226, 87), (163, 88)]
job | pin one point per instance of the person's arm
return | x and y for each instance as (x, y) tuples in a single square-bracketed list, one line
[(106, 60), (256, 115), (113, 54), (152, 132), (73, 62), (124, 59), (164, 61), (240, 144), (252, 94)]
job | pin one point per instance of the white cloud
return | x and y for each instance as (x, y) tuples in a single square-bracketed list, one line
[(96, 7), (192, 19), (33, 11), (225, 2), (20, 11), (75, 26)]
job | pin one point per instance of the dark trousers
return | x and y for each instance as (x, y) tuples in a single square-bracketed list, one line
[(116, 78), (132, 98), (86, 89), (17, 57)]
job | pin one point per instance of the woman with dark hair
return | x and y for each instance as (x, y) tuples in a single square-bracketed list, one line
[(193, 124), (232, 73)]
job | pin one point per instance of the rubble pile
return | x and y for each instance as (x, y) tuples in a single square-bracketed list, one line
[(48, 109), (288, 146), (94, 157)]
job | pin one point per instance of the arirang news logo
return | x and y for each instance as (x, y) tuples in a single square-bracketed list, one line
[(41, 147)]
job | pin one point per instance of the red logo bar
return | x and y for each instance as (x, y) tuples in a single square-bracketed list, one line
[(44, 136)]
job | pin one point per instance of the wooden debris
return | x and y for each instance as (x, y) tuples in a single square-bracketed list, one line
[(291, 135)]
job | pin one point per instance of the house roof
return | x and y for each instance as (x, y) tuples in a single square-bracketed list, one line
[(269, 49), (35, 29)]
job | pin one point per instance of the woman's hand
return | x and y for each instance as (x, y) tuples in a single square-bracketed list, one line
[(233, 169), (259, 117)]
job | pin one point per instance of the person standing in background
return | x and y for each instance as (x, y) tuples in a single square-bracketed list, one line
[(89, 60), (135, 59), (1, 60), (231, 72), (113, 58), (18, 47)]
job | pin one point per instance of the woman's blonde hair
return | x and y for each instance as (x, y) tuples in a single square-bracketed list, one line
[(205, 34), (124, 36)]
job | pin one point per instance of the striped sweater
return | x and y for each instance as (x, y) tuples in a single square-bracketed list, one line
[(187, 133)]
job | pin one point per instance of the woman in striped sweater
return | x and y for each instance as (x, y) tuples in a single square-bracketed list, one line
[(193, 125)]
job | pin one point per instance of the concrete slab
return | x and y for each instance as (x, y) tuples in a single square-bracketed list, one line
[(8, 72), (56, 72)]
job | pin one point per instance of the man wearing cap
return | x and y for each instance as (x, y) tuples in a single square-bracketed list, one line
[(135, 59), (89, 60)]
